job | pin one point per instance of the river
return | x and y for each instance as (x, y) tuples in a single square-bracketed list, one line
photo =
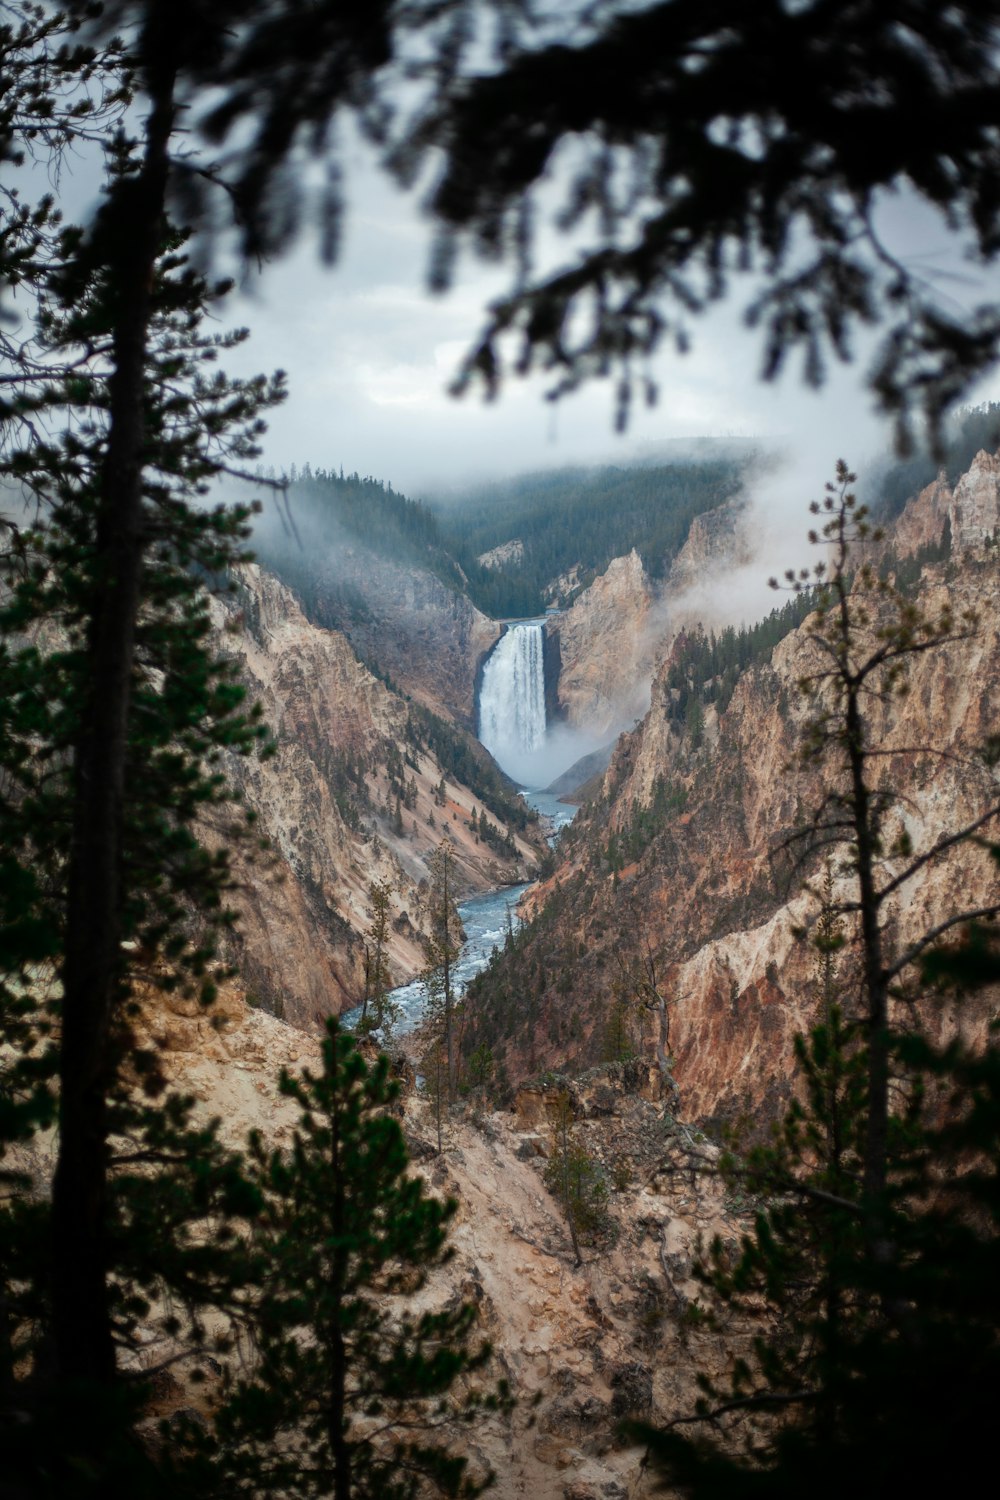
[(484, 919)]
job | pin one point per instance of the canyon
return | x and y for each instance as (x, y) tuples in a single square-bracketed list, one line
[(705, 910), (352, 794), (670, 884), (699, 1148), (702, 899), (706, 898)]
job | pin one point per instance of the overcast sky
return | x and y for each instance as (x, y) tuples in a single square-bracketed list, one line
[(369, 356)]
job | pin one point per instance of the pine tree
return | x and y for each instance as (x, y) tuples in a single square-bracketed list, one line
[(575, 1179), (433, 1065), (348, 1390), (618, 1042), (379, 1012), (865, 636), (174, 50), (694, 719), (442, 947), (86, 1291), (879, 1377), (877, 1246)]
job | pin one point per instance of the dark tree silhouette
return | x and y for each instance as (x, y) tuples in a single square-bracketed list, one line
[(876, 1244), (695, 143), (350, 1391)]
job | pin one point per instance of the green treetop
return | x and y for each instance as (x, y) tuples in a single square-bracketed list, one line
[(349, 1387), (876, 1244), (379, 1012)]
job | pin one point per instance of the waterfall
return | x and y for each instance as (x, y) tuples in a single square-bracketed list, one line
[(512, 699)]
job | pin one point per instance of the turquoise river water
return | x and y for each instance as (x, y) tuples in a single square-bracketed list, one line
[(485, 921)]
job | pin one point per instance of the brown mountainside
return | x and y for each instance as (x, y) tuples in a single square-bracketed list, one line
[(581, 1346), (674, 863), (406, 624), (429, 639), (606, 643), (617, 630), (345, 754)]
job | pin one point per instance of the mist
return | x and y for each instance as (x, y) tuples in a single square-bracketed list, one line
[(772, 536), (535, 770)]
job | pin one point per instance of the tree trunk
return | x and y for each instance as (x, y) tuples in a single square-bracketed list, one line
[(875, 988), (446, 940), (340, 1448), (92, 967)]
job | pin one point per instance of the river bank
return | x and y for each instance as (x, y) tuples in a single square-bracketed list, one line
[(484, 921)]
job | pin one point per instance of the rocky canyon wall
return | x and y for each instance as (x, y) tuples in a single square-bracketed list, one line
[(611, 639), (401, 619), (678, 866), (606, 644), (969, 510), (302, 904), (429, 639)]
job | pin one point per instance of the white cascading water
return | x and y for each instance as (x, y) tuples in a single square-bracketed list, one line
[(512, 700)]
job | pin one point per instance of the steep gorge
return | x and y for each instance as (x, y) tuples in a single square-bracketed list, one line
[(353, 793), (694, 818), (675, 863)]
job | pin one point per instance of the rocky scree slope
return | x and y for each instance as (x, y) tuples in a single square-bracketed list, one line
[(582, 1347), (672, 870)]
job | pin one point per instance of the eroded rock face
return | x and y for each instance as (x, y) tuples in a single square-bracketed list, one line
[(607, 642), (303, 904), (708, 895), (618, 630), (403, 620), (502, 556), (923, 518), (580, 1346), (716, 539), (972, 510)]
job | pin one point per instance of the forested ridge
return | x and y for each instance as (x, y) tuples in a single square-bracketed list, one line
[(580, 518), (571, 522), (567, 519), (328, 510)]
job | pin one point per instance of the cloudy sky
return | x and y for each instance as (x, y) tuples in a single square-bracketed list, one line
[(369, 356)]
